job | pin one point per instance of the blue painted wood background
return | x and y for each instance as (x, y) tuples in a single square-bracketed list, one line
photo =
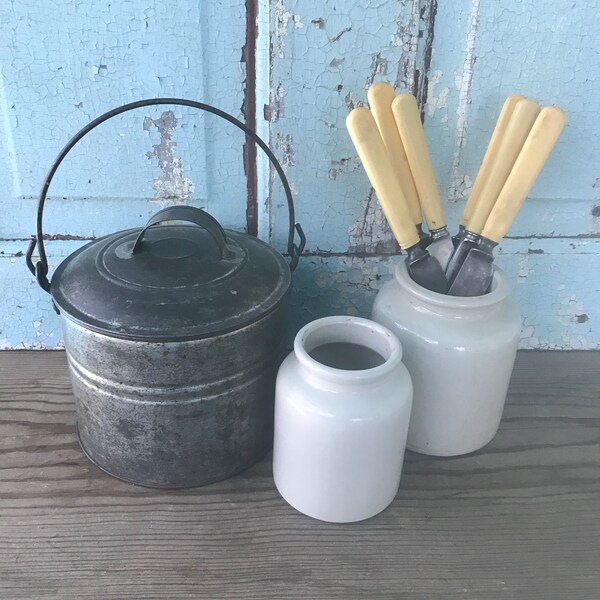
[(293, 69)]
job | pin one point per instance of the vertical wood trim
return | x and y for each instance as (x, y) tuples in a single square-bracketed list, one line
[(249, 112), (428, 13)]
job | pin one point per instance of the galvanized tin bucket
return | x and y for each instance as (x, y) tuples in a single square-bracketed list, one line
[(173, 335)]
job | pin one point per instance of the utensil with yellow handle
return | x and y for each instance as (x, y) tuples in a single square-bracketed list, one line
[(491, 151), (423, 268), (381, 95), (500, 162), (408, 121), (475, 275)]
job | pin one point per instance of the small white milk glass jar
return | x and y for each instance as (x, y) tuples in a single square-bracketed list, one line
[(342, 408), (460, 353)]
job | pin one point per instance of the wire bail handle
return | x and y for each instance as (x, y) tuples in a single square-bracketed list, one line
[(40, 268)]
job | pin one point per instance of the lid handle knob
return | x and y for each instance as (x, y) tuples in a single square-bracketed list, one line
[(185, 213)]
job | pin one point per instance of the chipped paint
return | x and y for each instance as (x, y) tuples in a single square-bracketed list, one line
[(172, 186), (343, 165), (427, 18), (459, 59), (338, 35), (6, 133), (365, 235), (413, 36), (285, 145), (351, 101), (594, 230), (64, 237), (53, 85), (523, 265), (407, 38), (273, 111), (437, 100), (283, 17), (460, 184), (379, 67)]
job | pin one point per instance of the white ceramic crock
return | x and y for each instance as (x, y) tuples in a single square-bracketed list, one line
[(340, 433), (460, 354)]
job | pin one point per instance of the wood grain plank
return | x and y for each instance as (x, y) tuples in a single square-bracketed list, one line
[(518, 519)]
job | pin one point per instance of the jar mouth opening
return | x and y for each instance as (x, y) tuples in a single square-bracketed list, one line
[(499, 290), (350, 348)]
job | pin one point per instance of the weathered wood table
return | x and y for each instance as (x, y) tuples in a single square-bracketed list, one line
[(519, 519)]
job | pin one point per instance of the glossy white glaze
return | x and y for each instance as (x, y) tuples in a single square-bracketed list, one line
[(340, 434), (460, 353)]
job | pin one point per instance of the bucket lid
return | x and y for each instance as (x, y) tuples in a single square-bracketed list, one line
[(171, 282)]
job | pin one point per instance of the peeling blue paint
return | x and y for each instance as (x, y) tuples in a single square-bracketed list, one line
[(64, 65)]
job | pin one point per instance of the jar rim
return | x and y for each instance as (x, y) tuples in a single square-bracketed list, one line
[(356, 330), (500, 290)]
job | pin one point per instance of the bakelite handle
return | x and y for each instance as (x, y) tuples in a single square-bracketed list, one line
[(408, 121), (501, 163), (381, 95), (538, 145), (488, 157), (373, 154)]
